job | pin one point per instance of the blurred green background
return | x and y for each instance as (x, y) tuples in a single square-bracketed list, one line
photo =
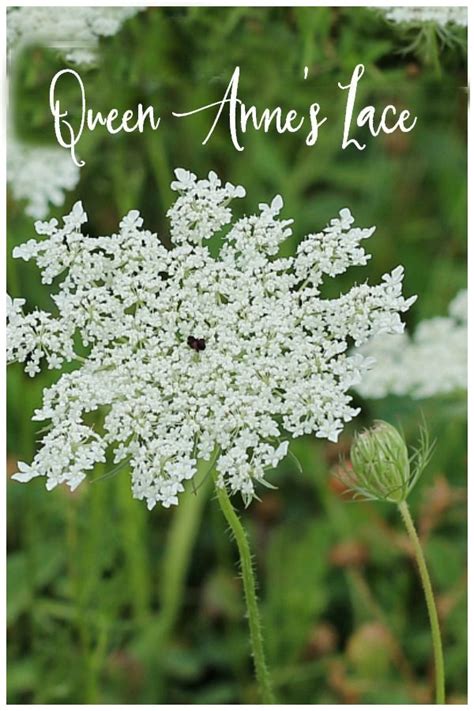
[(108, 603)]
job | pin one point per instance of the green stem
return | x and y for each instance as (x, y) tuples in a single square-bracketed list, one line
[(261, 670), (132, 524), (175, 568), (430, 602), (177, 556)]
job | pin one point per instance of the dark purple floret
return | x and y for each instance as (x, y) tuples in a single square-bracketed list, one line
[(197, 344)]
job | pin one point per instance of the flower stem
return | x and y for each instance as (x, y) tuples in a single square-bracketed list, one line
[(175, 567), (256, 640), (430, 602)]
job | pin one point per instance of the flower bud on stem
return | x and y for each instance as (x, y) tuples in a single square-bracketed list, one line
[(382, 470)]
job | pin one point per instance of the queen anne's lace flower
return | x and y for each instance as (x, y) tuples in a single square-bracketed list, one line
[(74, 31), (432, 362), (417, 15), (195, 356), (40, 175)]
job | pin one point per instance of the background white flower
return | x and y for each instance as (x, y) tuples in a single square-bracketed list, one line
[(188, 355), (74, 32), (40, 175), (442, 15), (431, 362)]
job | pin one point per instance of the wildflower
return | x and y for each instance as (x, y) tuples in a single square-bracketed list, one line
[(191, 355), (382, 470), (75, 33), (40, 175), (431, 362), (441, 16)]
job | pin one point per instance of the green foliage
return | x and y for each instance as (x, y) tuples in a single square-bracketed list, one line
[(296, 593), (111, 604)]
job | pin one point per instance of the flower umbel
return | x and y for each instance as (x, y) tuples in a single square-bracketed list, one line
[(74, 33), (40, 175), (187, 354), (382, 469), (441, 16), (431, 362)]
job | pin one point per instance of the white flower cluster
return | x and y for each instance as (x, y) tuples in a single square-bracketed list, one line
[(189, 355), (40, 175), (75, 32), (432, 362), (417, 15)]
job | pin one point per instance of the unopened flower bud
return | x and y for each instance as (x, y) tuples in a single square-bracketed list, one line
[(381, 466), (380, 462)]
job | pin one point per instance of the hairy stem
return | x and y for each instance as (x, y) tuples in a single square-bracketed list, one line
[(430, 602), (256, 640)]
